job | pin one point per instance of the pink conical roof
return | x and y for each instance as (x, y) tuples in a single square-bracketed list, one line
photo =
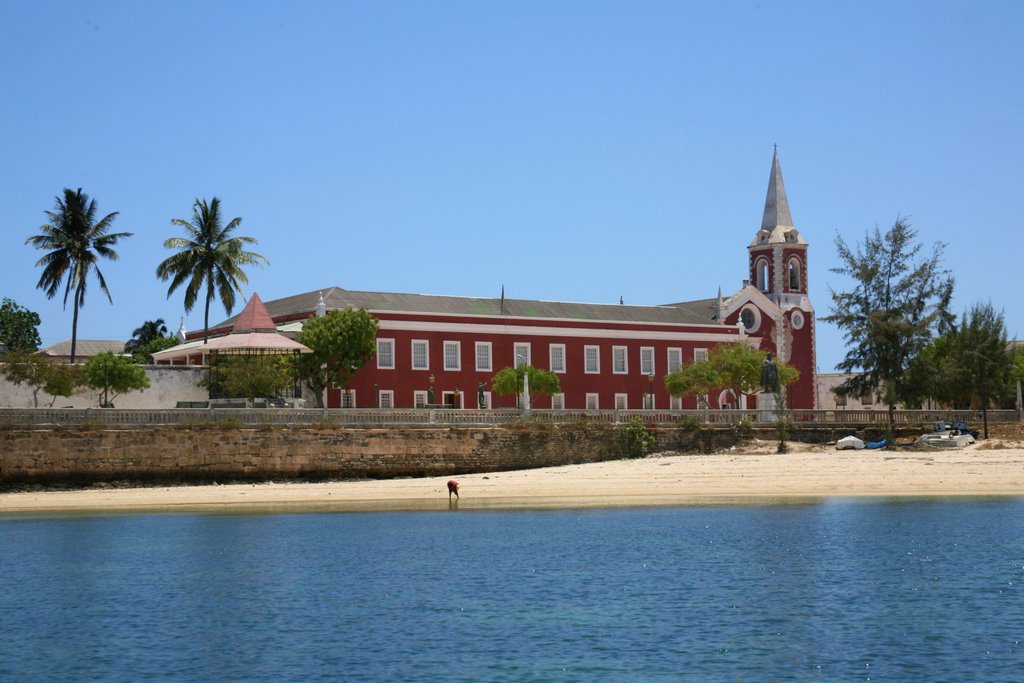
[(254, 318)]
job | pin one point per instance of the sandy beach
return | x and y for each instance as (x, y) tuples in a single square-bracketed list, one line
[(753, 472)]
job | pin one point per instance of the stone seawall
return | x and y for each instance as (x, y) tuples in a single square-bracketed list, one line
[(205, 453)]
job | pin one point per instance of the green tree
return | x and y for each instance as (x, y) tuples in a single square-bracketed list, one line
[(147, 339), (971, 364), (252, 376), (74, 241), (734, 366), (697, 379), (342, 342), (144, 356), (899, 301), (208, 256), (144, 334), (112, 376), (42, 374), (509, 381), (18, 327)]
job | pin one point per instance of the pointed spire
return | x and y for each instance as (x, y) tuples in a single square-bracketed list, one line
[(182, 332), (254, 318), (718, 316), (321, 306), (776, 206)]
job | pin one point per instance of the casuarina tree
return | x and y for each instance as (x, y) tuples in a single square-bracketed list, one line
[(899, 301), (74, 241)]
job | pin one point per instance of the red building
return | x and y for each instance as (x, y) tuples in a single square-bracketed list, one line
[(606, 355)]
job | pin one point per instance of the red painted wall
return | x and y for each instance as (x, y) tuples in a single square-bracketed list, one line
[(574, 381)]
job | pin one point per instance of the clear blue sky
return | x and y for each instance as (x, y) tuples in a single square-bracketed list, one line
[(576, 151)]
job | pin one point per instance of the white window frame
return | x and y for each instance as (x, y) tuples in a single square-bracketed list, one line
[(557, 401), (756, 313), (675, 402), (348, 396), (649, 400), (595, 399), (426, 354), (446, 394), (517, 347), (727, 397), (419, 399), (678, 352), (621, 401), (762, 274), (390, 345), (793, 266), (556, 368), (597, 360), (624, 351), (647, 351), (458, 355), (388, 394), (700, 355), (489, 349)]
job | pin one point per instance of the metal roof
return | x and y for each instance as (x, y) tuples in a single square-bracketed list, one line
[(701, 312), (85, 348)]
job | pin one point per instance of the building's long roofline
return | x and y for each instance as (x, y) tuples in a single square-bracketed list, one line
[(699, 312)]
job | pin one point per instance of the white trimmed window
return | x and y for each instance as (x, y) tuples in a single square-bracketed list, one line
[(591, 360), (619, 364), (649, 401), (419, 399), (675, 359), (451, 398), (522, 351), (675, 403), (592, 402), (761, 274), (621, 402), (348, 398), (700, 355), (794, 274), (420, 354), (646, 360), (556, 353), (452, 355), (558, 402), (483, 357), (750, 318), (386, 398), (386, 354)]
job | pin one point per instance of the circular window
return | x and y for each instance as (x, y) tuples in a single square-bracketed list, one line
[(751, 318), (797, 319)]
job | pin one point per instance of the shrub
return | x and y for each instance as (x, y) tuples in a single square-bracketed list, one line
[(637, 440)]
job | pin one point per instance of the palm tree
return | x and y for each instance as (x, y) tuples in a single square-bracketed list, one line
[(145, 333), (74, 240), (210, 255)]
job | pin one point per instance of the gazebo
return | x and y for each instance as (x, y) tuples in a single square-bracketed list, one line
[(253, 334)]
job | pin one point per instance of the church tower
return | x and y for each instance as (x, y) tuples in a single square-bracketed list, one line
[(778, 254), (778, 270)]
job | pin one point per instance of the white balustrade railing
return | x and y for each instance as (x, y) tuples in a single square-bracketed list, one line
[(382, 417)]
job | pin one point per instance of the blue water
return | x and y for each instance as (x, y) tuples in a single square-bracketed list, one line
[(834, 591)]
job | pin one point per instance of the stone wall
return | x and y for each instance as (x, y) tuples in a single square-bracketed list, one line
[(168, 384), (217, 452), (208, 452)]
